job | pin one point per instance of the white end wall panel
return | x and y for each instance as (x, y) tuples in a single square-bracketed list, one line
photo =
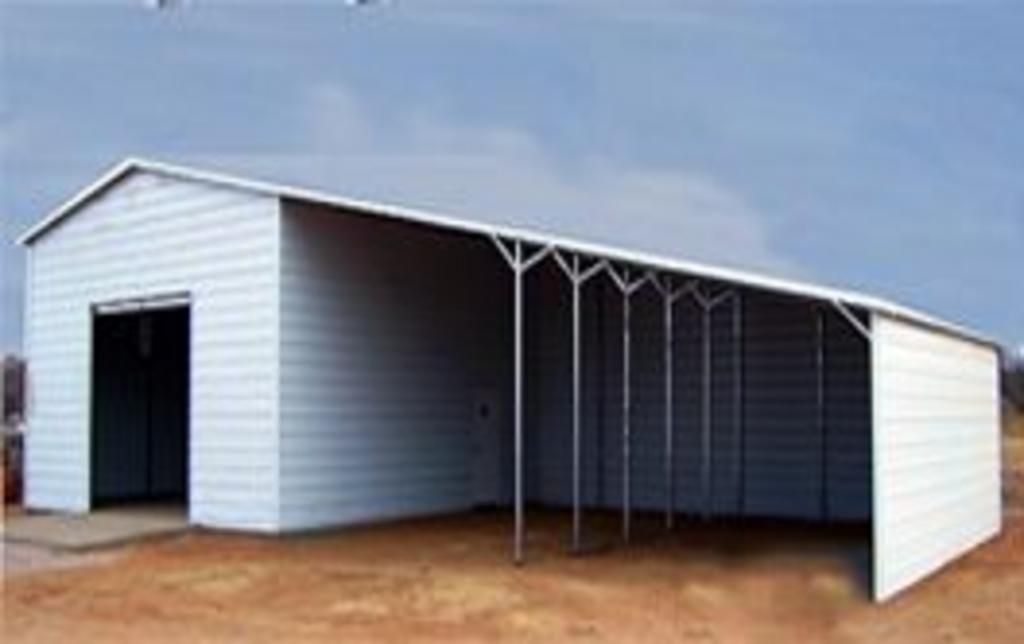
[(936, 450), (152, 235), (388, 331)]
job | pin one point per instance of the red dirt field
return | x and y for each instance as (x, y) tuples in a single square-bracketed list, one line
[(450, 579)]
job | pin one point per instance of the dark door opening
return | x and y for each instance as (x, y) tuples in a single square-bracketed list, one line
[(140, 398)]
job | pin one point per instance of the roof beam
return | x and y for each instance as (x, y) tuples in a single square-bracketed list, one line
[(853, 320)]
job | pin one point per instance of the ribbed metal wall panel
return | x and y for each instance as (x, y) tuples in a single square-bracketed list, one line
[(788, 467), (848, 419), (388, 329), (783, 434), (936, 439), (151, 235)]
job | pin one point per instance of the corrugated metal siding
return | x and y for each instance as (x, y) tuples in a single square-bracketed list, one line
[(151, 235), (785, 456), (548, 372), (848, 419), (937, 490), (388, 329), (783, 436)]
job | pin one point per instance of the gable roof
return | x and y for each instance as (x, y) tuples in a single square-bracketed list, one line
[(653, 261)]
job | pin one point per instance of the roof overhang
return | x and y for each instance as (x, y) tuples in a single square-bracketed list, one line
[(648, 260)]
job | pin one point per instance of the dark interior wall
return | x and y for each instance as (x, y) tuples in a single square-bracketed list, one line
[(798, 462), (720, 487), (140, 406), (780, 462), (848, 419), (784, 441)]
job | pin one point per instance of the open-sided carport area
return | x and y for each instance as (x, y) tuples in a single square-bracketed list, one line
[(585, 384), (353, 363), (593, 383)]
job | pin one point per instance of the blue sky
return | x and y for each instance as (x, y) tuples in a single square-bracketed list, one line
[(873, 146)]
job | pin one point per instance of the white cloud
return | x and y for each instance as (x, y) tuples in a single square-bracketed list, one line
[(427, 159), (506, 175)]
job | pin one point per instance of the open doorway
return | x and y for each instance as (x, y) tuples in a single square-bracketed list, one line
[(140, 407)]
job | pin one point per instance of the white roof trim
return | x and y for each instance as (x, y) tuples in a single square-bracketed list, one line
[(744, 278)]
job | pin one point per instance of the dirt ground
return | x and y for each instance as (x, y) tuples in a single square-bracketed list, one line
[(1015, 426), (450, 579)]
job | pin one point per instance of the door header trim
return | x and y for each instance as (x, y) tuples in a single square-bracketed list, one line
[(147, 303)]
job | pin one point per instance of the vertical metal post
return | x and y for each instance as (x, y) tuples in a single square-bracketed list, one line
[(739, 438), (601, 387), (706, 415), (670, 504), (821, 419), (576, 483), (626, 439), (518, 448)]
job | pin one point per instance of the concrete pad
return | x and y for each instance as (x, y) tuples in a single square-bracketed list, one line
[(19, 559), (99, 529)]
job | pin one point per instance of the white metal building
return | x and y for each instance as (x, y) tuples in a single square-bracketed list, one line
[(282, 359)]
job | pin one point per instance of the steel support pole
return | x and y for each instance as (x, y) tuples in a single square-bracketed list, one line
[(577, 514), (706, 415), (626, 437), (670, 504), (518, 448)]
